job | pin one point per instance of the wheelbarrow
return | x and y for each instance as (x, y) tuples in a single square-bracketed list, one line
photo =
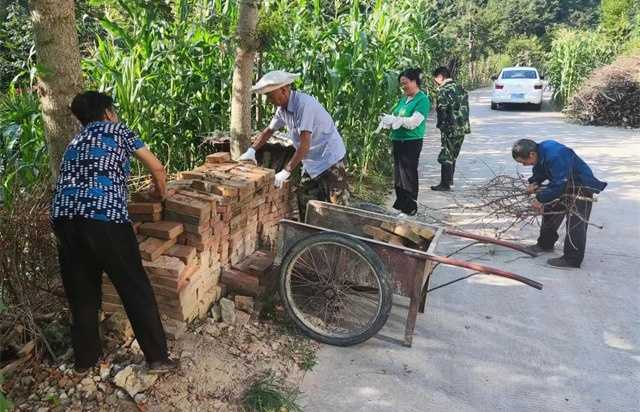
[(337, 282)]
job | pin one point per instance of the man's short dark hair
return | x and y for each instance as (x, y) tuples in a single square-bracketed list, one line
[(442, 71), (522, 148), (91, 106)]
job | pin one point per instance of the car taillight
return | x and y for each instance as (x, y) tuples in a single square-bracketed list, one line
[(499, 86), (537, 86)]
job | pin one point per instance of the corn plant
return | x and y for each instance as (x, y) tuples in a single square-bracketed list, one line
[(23, 154), (574, 54)]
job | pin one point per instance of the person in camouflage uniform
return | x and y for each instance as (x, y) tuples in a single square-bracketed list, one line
[(453, 121)]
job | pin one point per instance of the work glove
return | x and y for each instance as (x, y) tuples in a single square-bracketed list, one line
[(281, 177), (250, 154), (386, 121)]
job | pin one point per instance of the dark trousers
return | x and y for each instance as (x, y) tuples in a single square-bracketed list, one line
[(87, 248), (575, 240), (406, 155), (330, 186)]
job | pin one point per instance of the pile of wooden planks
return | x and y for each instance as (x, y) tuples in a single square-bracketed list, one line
[(211, 225), (401, 234)]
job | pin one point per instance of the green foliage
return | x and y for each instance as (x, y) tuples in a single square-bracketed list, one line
[(271, 394), (574, 54), (23, 153), (170, 77), (526, 51), (618, 16), (15, 43), (5, 404)]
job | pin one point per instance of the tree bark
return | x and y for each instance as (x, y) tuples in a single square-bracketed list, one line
[(59, 74), (243, 76)]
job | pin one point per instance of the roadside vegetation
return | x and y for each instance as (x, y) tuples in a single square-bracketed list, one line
[(169, 64)]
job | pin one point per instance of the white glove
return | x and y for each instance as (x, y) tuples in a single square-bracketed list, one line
[(397, 122), (386, 120), (250, 154), (281, 177)]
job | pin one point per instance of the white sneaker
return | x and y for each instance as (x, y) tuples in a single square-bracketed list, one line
[(402, 215)]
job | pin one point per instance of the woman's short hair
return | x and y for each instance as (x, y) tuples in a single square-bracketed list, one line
[(91, 106), (522, 148), (412, 74)]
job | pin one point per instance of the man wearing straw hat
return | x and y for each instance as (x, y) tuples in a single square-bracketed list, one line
[(315, 137)]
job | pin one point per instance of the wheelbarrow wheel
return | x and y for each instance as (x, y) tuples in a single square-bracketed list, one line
[(335, 288)]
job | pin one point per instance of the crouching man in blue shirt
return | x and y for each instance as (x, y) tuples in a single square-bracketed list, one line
[(571, 183), (319, 146), (91, 222)]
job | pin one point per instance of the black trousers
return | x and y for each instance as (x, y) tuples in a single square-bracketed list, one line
[(406, 155), (575, 240), (87, 248)]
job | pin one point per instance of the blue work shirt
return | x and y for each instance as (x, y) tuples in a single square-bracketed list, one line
[(94, 172), (560, 165), (305, 113)]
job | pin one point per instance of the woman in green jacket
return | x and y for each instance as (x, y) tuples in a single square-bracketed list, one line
[(408, 122)]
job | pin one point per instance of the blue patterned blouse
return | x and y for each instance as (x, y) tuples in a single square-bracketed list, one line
[(93, 174)]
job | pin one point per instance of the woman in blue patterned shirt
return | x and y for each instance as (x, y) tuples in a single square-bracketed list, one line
[(91, 222)]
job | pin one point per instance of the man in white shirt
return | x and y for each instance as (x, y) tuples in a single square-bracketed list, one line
[(319, 146)]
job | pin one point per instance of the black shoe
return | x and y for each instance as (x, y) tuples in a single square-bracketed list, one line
[(537, 249), (162, 366), (78, 371), (441, 188), (561, 262)]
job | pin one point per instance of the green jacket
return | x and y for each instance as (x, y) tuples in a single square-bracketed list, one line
[(421, 104), (453, 108)]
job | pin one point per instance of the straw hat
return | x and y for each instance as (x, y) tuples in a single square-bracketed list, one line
[(274, 80)]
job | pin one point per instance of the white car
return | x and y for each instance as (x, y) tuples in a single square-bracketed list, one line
[(522, 85)]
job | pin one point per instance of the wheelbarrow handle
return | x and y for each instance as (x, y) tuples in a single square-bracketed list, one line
[(486, 269), (486, 239)]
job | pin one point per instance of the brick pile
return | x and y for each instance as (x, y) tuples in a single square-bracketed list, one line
[(218, 215)]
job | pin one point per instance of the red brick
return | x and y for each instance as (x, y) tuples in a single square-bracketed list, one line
[(144, 207), (153, 248), (162, 229), (189, 206), (186, 254), (137, 217), (220, 157)]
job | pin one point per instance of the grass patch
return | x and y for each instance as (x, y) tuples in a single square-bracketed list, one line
[(305, 354), (271, 394), (371, 189)]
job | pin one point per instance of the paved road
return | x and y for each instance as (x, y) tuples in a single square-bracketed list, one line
[(485, 344)]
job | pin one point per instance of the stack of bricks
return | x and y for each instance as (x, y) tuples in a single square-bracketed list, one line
[(217, 214)]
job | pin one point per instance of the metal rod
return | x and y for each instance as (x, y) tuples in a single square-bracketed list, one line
[(486, 239), (486, 269)]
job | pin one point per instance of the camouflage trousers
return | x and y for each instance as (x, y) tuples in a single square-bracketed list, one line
[(330, 186), (451, 142)]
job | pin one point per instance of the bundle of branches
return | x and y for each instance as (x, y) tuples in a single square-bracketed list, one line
[(30, 289), (503, 203), (610, 96)]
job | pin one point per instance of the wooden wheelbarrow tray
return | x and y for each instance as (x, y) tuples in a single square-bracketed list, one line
[(410, 269)]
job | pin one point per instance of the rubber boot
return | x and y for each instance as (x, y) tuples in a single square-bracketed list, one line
[(445, 173), (453, 171)]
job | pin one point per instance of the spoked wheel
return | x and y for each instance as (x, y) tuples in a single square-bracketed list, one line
[(336, 289)]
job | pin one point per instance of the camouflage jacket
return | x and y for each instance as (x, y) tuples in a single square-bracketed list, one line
[(452, 108)]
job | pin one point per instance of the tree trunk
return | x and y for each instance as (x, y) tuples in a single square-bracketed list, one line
[(60, 75), (243, 76)]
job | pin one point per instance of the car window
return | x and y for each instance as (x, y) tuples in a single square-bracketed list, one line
[(519, 74)]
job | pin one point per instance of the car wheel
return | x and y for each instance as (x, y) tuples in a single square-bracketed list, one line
[(537, 107), (494, 106)]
